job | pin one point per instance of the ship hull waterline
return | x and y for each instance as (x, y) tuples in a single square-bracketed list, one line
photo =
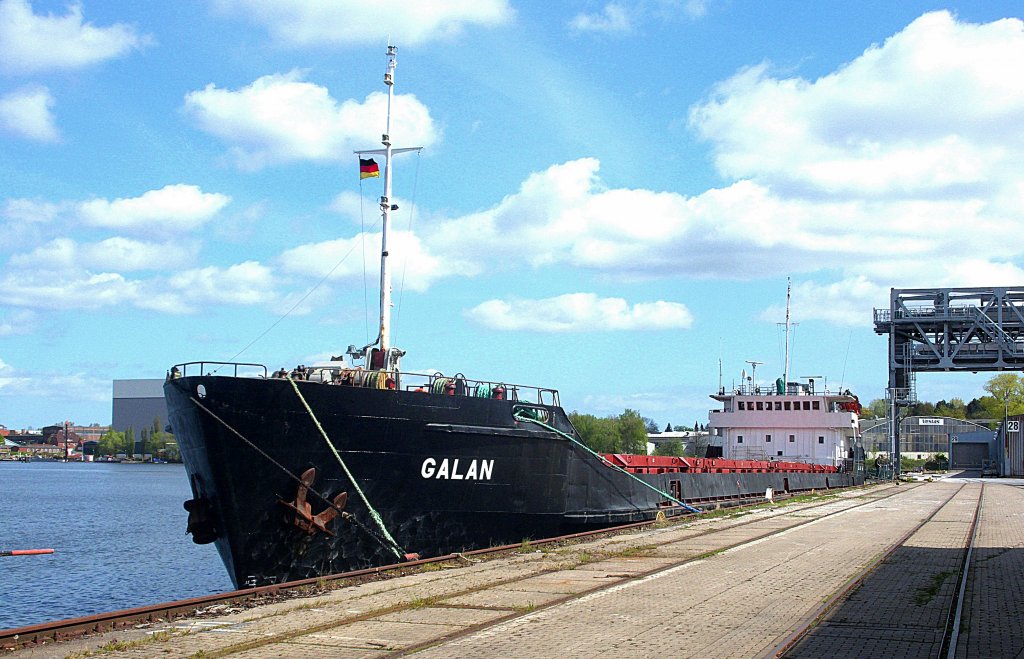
[(444, 473)]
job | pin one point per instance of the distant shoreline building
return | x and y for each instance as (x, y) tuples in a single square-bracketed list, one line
[(136, 403), (694, 442)]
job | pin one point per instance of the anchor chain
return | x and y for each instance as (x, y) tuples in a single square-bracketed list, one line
[(394, 546), (345, 515)]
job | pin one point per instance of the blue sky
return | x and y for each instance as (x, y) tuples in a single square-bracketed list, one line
[(610, 198)]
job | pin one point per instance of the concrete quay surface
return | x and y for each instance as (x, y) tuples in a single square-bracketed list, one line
[(737, 585)]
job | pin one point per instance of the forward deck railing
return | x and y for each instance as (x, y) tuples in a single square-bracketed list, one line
[(427, 383)]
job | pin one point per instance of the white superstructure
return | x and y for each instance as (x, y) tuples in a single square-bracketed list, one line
[(792, 423)]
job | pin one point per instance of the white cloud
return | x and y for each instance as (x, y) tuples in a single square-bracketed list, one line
[(31, 43), (45, 289), (171, 209), (27, 113), (695, 8), (848, 177), (565, 215), (54, 385), (30, 211), (624, 19), (412, 264), (282, 118), (352, 205), (302, 303), (576, 312), (613, 19), (348, 22), (77, 288), (845, 182), (937, 110), (847, 302), (15, 323), (245, 283), (118, 253)]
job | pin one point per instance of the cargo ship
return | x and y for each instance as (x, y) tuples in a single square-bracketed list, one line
[(354, 463)]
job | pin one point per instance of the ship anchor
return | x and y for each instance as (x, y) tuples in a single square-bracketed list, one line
[(304, 517)]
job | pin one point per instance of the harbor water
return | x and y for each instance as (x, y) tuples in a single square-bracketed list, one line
[(118, 535)]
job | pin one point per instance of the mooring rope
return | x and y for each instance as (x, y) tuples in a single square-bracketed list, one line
[(346, 515), (518, 417), (395, 547)]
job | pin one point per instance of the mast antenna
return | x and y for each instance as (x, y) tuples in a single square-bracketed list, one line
[(753, 371), (788, 325)]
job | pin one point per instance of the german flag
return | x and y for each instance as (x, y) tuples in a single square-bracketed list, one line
[(368, 168)]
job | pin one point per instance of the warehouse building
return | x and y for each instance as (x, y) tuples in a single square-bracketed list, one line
[(137, 403)]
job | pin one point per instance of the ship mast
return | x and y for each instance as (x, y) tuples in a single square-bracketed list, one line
[(389, 356), (385, 209)]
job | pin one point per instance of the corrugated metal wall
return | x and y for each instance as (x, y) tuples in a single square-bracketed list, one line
[(968, 455)]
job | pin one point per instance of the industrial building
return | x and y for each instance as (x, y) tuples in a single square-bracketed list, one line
[(137, 403), (968, 444)]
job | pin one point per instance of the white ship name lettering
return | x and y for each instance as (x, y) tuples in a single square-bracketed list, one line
[(478, 470)]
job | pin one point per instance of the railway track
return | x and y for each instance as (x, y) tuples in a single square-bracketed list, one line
[(740, 531), (935, 599), (72, 628)]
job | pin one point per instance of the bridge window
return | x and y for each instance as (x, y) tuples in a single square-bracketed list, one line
[(788, 406), (821, 440), (739, 439), (807, 404), (792, 438), (815, 405), (760, 405), (767, 438), (778, 405), (742, 405)]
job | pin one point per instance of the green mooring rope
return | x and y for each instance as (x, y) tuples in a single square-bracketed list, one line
[(362, 527), (373, 513), (605, 460)]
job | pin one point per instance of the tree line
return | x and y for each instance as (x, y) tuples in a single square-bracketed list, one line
[(624, 433), (1006, 397), (152, 441)]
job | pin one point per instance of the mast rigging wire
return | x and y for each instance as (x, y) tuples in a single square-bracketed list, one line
[(294, 306), (362, 242), (405, 264)]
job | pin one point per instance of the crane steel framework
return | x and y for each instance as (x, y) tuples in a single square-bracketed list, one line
[(948, 329)]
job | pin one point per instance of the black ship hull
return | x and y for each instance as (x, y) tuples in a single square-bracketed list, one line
[(442, 473)]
